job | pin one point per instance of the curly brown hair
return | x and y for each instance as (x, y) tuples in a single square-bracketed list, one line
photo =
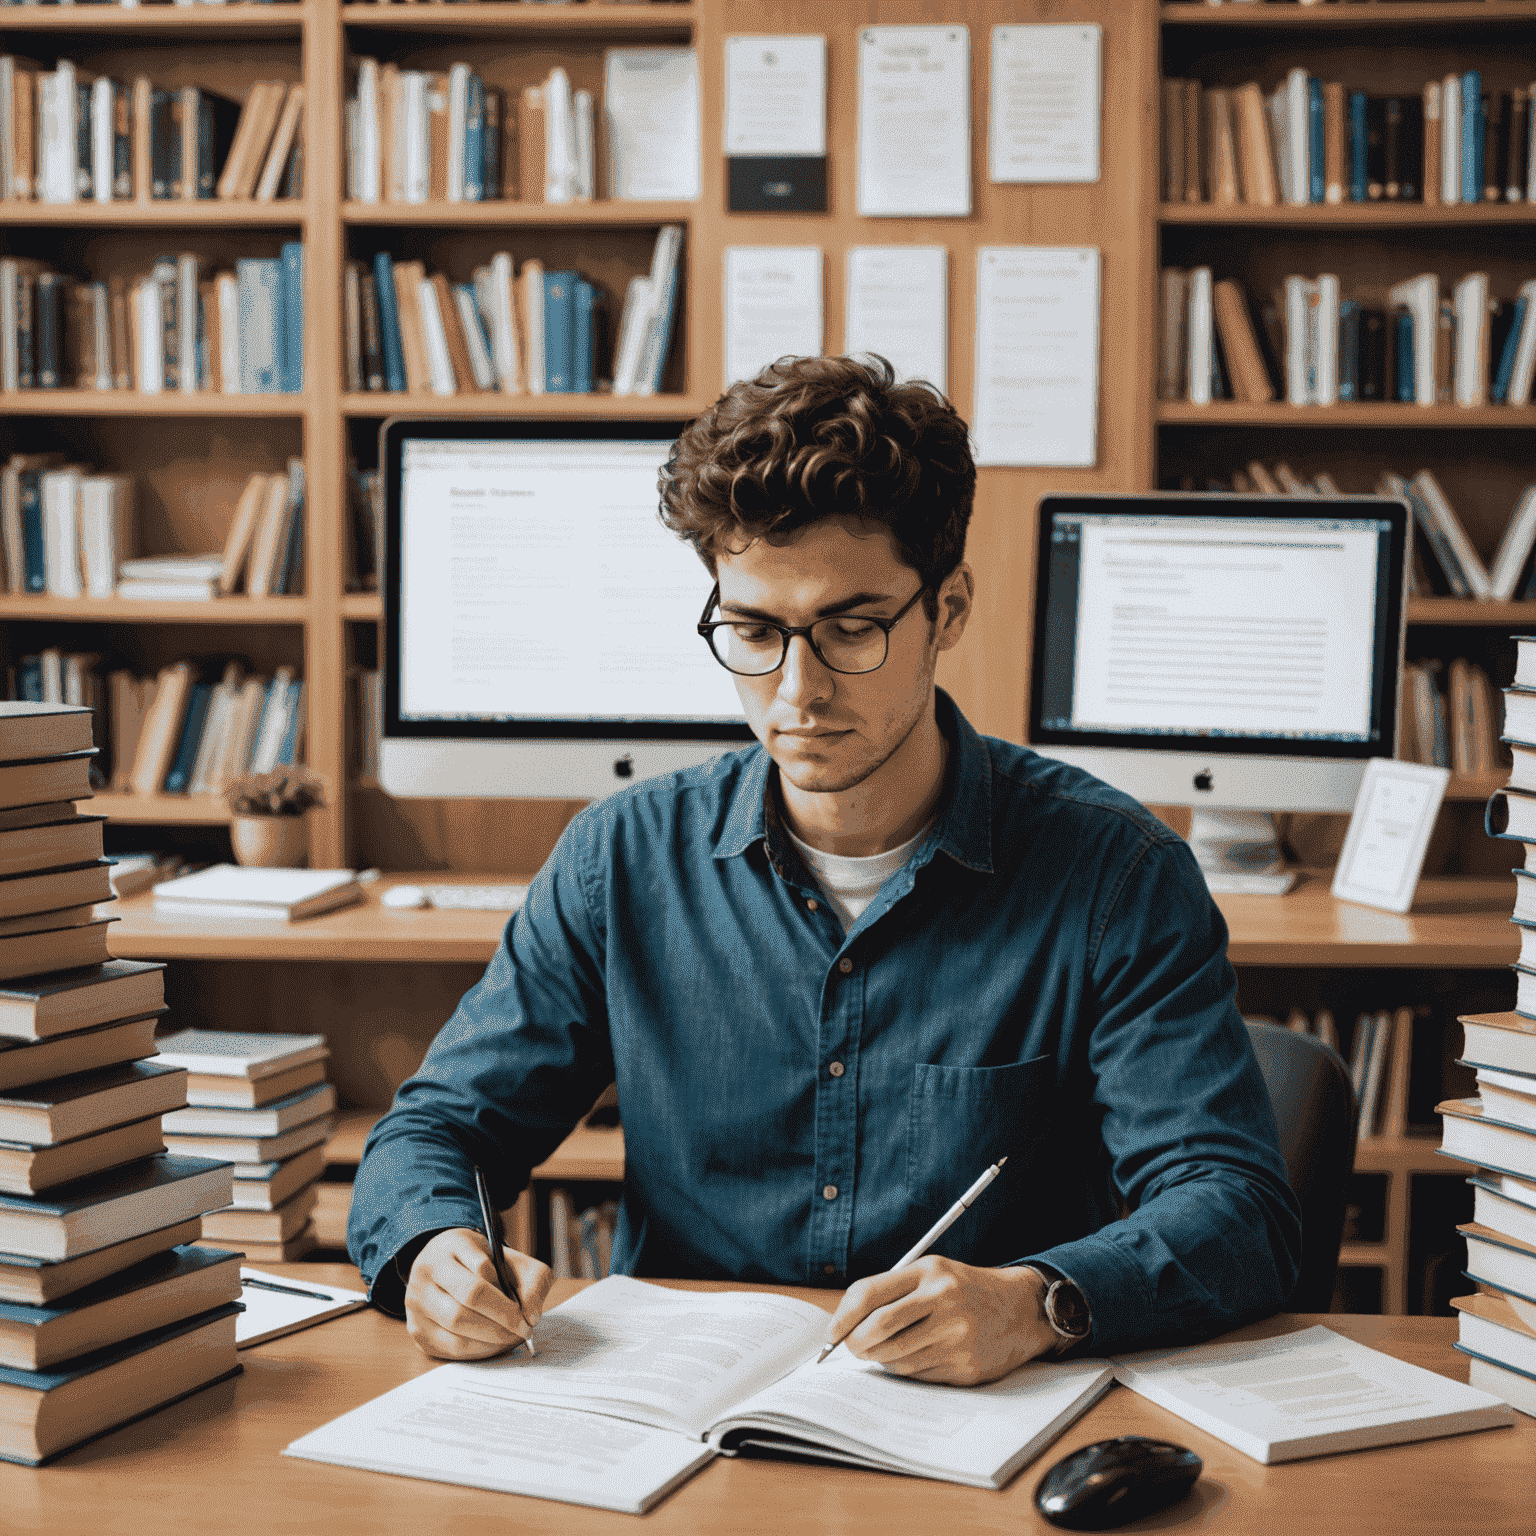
[(813, 437)]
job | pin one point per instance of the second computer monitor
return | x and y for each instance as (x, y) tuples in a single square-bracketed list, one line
[(1231, 652)]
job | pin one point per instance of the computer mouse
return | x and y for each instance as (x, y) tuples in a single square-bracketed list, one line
[(404, 896), (1115, 1481)]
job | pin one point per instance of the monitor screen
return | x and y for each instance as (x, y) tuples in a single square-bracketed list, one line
[(1219, 624), (533, 590)]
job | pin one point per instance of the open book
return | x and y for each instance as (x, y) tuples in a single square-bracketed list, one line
[(635, 1387)]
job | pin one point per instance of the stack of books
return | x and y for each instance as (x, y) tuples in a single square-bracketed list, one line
[(104, 1314), (261, 1104)]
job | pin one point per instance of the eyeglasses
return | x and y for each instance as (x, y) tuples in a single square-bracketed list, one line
[(849, 643)]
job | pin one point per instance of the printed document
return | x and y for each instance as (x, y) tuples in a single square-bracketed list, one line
[(915, 121), (898, 306), (1037, 355), (651, 104), (772, 306), (1045, 104), (776, 95)]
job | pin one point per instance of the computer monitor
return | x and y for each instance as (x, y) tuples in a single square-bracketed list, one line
[(539, 620), (1229, 653)]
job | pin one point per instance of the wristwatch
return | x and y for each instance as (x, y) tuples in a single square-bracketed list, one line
[(1065, 1307)]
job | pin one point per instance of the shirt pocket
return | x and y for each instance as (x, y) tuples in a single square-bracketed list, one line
[(963, 1119)]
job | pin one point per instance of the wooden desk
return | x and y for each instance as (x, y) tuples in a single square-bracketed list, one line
[(1455, 922), (212, 1464)]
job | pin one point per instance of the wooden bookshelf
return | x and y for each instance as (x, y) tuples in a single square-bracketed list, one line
[(164, 213), (1388, 414), (128, 402), (130, 610), (225, 24), (600, 213), (1383, 14), (385, 403), (1363, 216), (160, 810), (654, 22), (1460, 611)]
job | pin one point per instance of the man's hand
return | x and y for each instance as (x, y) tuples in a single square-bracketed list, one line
[(454, 1308), (939, 1320)]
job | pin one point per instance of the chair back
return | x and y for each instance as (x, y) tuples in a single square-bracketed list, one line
[(1314, 1103)]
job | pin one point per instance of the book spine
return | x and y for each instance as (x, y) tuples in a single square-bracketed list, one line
[(1317, 189), (389, 322), (161, 144), (559, 331), (1500, 392), (26, 343), (122, 142), (582, 339), (1515, 172), (292, 303), (474, 140), (205, 168), (49, 329), (368, 314), (1358, 143), (1471, 138), (84, 181), (1403, 334), (177, 779), (1392, 149), (30, 502)]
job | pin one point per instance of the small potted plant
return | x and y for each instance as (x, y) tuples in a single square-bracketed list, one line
[(268, 827)]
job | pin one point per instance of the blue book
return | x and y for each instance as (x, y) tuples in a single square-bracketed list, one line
[(30, 504), (389, 321), (1359, 146), (1471, 137), (259, 280), (1315, 138), (581, 348), (291, 335), (474, 139), (29, 679), (1349, 350), (1501, 378), (290, 579), (1404, 354), (559, 331), (180, 774), (295, 707)]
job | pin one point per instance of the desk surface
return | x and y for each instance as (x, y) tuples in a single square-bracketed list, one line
[(212, 1463), (1455, 922)]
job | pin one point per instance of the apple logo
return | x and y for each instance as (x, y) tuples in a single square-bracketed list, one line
[(624, 768), (1203, 781)]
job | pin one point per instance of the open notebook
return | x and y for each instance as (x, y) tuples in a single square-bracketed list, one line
[(635, 1387)]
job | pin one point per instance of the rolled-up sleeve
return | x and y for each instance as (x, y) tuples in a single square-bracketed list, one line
[(521, 1060), (1213, 1233)]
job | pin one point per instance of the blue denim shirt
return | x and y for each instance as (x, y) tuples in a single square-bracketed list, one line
[(1045, 980)]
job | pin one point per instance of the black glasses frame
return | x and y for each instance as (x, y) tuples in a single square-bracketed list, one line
[(787, 632)]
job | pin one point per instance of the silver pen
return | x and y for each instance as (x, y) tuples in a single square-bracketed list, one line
[(935, 1232)]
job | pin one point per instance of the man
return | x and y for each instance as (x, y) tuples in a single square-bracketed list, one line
[(838, 974)]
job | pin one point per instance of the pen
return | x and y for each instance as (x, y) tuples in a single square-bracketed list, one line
[(287, 1290), (935, 1232), (490, 1220)]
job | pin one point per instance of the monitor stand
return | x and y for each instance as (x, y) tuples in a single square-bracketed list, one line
[(1239, 853)]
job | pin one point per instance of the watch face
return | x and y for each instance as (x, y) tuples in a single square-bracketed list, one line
[(1066, 1309)]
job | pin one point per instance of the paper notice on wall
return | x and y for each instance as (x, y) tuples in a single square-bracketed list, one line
[(898, 307), (915, 121), (1037, 355), (772, 306), (651, 111), (1045, 104), (776, 95)]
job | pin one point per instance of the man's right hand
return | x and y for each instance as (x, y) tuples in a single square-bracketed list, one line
[(455, 1310)]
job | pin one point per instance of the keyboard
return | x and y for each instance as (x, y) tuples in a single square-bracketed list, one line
[(476, 898), (1250, 885)]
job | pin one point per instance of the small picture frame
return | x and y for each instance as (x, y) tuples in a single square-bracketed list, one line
[(1388, 834)]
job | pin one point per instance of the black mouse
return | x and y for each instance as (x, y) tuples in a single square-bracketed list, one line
[(1115, 1481)]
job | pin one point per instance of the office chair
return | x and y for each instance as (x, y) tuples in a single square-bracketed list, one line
[(1314, 1104)]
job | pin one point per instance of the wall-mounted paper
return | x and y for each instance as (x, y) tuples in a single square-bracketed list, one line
[(1045, 103), (651, 109), (1037, 355), (898, 306), (776, 95), (1388, 835), (915, 121), (772, 306)]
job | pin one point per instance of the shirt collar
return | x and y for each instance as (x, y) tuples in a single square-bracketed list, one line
[(963, 828)]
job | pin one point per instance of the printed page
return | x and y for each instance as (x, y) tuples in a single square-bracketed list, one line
[(651, 108), (674, 1359), (434, 1428), (772, 307), (898, 307), (1305, 1394), (776, 95), (1045, 104), (976, 1435)]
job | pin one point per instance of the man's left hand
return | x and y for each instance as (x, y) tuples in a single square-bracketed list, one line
[(940, 1320)]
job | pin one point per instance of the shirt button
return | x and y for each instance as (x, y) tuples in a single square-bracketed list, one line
[(836, 1069), (829, 1269), (845, 965), (811, 903), (829, 1192)]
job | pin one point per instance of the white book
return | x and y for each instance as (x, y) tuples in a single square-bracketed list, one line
[(631, 335), (57, 150), (267, 1120), (651, 114), (474, 337), (658, 320), (665, 1397), (275, 892), (148, 362), (439, 363), (1324, 340), (1494, 1209), (1471, 1134), (7, 127), (230, 1053), (503, 318), (1250, 1394), (1525, 351), (530, 289), (61, 541), (458, 117), (369, 157), (1298, 332), (269, 736), (1469, 366), (559, 138), (186, 328), (101, 326), (106, 529), (226, 289), (1514, 548), (1278, 109), (215, 725), (1427, 489), (417, 137), (1298, 138), (1200, 363), (1450, 139), (1421, 297), (102, 156), (586, 146), (10, 358)]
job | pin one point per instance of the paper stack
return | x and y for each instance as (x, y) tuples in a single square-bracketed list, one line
[(261, 1103), (103, 1317)]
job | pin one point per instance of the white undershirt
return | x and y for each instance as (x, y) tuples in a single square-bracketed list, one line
[(851, 884)]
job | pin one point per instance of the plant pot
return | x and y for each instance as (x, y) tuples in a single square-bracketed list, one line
[(270, 842)]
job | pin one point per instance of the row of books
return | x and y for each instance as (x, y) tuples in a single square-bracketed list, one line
[(68, 136), (110, 1311), (535, 333), (1316, 141), (1452, 717), (580, 1245), (1379, 1053), (1309, 345), (1495, 1130), (178, 327)]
